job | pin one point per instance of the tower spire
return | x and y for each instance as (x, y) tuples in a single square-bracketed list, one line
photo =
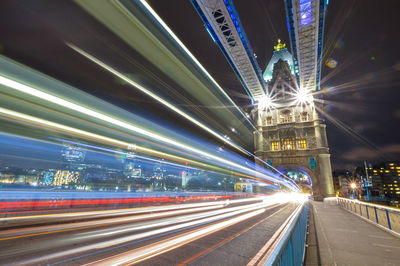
[(279, 46)]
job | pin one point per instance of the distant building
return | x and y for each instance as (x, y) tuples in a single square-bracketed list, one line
[(47, 177), (386, 180), (73, 156), (65, 177), (341, 182)]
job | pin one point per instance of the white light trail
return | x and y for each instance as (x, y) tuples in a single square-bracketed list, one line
[(49, 229), (255, 209), (154, 96), (164, 246), (105, 213), (94, 114), (119, 143), (165, 26), (174, 220)]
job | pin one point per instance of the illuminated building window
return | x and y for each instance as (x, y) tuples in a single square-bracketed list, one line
[(305, 12), (302, 144), (275, 145), (288, 144)]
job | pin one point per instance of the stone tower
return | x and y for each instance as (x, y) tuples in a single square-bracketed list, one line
[(290, 133)]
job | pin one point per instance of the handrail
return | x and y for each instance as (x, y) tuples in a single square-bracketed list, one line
[(287, 245), (384, 217)]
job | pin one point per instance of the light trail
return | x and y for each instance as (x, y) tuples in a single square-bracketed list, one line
[(111, 212), (45, 230), (178, 41), (165, 246), (169, 221), (226, 240), (156, 97), (254, 208), (141, 213), (123, 144)]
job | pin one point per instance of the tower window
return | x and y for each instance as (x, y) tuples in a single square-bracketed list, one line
[(285, 116), (302, 144), (304, 116), (268, 121), (288, 144), (275, 145)]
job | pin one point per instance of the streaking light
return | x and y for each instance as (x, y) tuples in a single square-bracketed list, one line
[(86, 111), (265, 103), (245, 171), (154, 96), (165, 26), (303, 96)]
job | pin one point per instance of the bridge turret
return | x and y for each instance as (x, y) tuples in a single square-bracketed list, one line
[(292, 135)]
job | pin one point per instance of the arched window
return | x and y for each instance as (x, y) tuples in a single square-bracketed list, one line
[(285, 116), (268, 120), (304, 116)]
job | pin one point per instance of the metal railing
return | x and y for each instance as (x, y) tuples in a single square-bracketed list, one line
[(287, 245), (382, 216)]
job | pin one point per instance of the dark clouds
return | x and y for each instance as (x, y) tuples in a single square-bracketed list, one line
[(363, 153)]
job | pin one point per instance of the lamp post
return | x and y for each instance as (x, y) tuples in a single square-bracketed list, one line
[(353, 186)]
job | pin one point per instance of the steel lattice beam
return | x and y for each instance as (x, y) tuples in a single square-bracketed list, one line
[(223, 24), (305, 19)]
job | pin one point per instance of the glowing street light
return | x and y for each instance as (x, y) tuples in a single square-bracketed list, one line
[(353, 185)]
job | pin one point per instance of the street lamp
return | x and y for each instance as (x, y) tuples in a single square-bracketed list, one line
[(353, 187)]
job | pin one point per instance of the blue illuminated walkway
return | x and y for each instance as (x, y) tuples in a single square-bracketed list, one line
[(338, 237)]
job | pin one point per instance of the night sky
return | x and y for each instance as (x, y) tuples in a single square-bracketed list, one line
[(361, 93)]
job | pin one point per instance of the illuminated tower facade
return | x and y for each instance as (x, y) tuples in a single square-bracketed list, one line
[(291, 135)]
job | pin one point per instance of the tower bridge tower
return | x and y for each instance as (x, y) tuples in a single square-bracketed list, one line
[(290, 135)]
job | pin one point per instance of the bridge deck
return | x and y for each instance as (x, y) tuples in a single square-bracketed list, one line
[(338, 237)]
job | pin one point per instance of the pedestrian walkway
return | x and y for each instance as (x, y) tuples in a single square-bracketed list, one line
[(338, 237)]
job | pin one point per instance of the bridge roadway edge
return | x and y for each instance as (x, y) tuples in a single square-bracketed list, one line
[(237, 251), (337, 237)]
